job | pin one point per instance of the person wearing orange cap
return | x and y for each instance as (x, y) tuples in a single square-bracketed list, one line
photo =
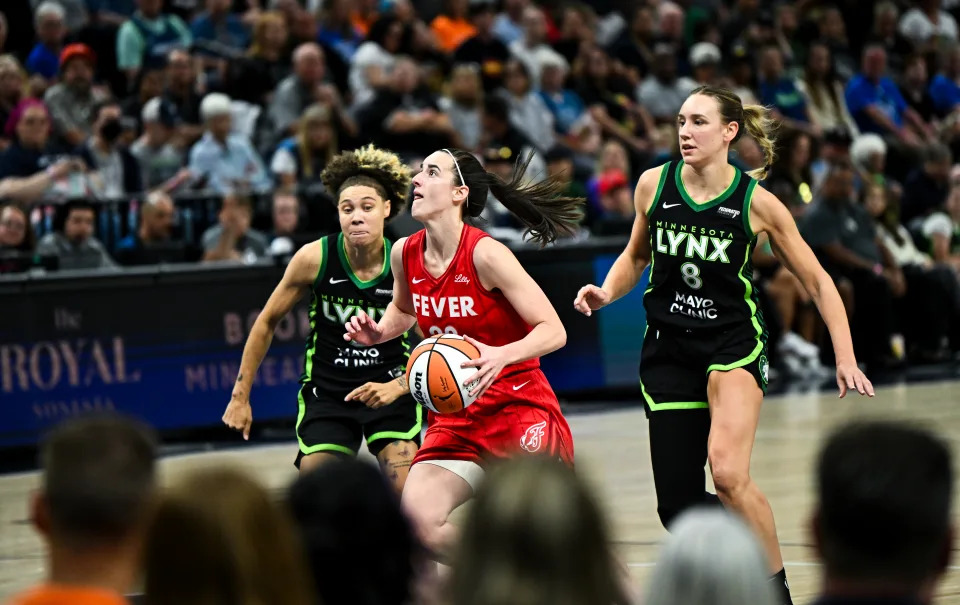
[(71, 101)]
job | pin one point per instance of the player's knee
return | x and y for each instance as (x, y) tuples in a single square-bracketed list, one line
[(729, 478), (427, 519)]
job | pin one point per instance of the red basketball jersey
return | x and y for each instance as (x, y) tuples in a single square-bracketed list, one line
[(457, 303)]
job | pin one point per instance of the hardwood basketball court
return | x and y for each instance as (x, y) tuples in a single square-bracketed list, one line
[(613, 453)]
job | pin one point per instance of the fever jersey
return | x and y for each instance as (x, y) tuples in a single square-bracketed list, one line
[(332, 363), (700, 269), (457, 303)]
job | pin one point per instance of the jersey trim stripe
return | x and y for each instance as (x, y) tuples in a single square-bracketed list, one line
[(398, 435), (754, 320), (663, 178), (345, 261), (711, 203), (747, 201), (311, 348), (669, 405)]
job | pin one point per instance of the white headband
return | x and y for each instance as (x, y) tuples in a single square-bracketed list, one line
[(457, 165)]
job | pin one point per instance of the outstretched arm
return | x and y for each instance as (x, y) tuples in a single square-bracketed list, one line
[(769, 215), (629, 266), (299, 274), (499, 269), (399, 316)]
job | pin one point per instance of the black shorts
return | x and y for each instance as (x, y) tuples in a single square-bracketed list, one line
[(675, 363), (327, 423)]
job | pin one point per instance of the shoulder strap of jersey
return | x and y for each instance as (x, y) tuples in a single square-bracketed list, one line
[(411, 246), (324, 255), (747, 201), (664, 173)]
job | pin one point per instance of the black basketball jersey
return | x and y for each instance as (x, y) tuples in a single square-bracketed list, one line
[(331, 362), (700, 269)]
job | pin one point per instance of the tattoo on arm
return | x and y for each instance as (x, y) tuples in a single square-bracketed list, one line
[(402, 381), (240, 377)]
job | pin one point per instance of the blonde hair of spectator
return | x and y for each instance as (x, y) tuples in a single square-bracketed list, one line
[(9, 62), (374, 164), (215, 104), (756, 120), (710, 558), (315, 114), (264, 21), (535, 535), (218, 537)]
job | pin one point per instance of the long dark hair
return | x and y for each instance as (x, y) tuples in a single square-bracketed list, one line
[(542, 207)]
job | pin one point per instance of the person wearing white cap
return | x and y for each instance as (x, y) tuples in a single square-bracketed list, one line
[(704, 58), (159, 160), (224, 159)]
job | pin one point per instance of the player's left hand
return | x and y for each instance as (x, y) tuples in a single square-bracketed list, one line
[(849, 377), (490, 362), (376, 394)]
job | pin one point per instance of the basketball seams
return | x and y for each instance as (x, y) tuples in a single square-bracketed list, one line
[(449, 406), (473, 353)]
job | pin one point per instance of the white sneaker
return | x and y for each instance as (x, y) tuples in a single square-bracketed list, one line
[(794, 342)]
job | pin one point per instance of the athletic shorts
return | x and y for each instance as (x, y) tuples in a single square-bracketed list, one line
[(675, 364), (518, 415), (327, 423)]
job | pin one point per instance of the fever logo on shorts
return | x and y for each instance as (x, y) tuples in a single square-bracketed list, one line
[(533, 438)]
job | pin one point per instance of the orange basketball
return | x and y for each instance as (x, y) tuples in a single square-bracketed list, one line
[(435, 376)]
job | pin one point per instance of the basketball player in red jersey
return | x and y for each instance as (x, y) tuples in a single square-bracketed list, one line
[(452, 278)]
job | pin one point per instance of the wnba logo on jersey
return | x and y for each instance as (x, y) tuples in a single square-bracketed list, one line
[(533, 438)]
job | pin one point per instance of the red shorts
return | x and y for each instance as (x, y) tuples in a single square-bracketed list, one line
[(519, 414)]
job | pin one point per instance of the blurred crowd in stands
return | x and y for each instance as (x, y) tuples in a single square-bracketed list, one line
[(145, 131)]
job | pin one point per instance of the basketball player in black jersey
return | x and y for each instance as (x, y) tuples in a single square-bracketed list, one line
[(348, 391), (704, 362)]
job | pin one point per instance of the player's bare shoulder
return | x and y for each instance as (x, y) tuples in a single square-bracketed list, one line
[(305, 264)]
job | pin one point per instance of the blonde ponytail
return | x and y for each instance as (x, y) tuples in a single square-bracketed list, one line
[(760, 125)]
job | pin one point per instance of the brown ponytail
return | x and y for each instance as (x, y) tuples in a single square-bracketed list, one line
[(542, 207)]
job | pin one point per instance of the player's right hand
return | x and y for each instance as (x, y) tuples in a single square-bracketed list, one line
[(590, 298), (239, 416), (362, 329)]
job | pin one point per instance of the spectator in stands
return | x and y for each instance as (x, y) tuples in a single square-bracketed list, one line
[(142, 247), (149, 84), (823, 92), (243, 546), (925, 188), (300, 159), (560, 165), (149, 37), (159, 159), (931, 307), (613, 159), (616, 207), (868, 153), (533, 44), (227, 161), (705, 59), (885, 18), (451, 27), (711, 557), (73, 99), (927, 22), (844, 237), (790, 178), (374, 60), (93, 508), (327, 504), (879, 478), (834, 149), (833, 32), (578, 26), (663, 91), (941, 229), (528, 113), (253, 78), (876, 104), (285, 211), (742, 77), (499, 138), (32, 150), (632, 52), (12, 86), (44, 59), (233, 239), (463, 103), (4, 32), (945, 86), (571, 122), (914, 87), (16, 232), (29, 189), (406, 117), (484, 49), (780, 92), (118, 172), (181, 90), (336, 31), (535, 523), (218, 31), (75, 246)]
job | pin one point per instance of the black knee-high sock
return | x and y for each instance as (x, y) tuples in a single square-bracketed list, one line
[(711, 499), (782, 587)]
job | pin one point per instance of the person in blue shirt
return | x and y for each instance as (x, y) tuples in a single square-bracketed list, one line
[(944, 88), (217, 26), (44, 59), (225, 160), (876, 104), (780, 92)]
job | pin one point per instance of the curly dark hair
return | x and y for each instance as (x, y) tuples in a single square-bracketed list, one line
[(373, 167)]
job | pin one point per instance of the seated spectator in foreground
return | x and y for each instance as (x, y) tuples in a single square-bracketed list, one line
[(226, 160), (75, 245), (285, 211), (882, 479), (243, 547), (29, 189), (300, 159), (159, 159), (340, 509), (233, 239), (711, 557), (44, 59), (152, 243), (32, 149), (16, 232), (117, 171), (182, 91), (534, 528), (72, 100), (93, 509)]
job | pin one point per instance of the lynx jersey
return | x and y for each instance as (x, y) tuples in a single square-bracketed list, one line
[(457, 303), (331, 363), (700, 270)]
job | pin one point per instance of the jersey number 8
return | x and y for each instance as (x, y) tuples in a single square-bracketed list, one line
[(691, 275), (438, 331)]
